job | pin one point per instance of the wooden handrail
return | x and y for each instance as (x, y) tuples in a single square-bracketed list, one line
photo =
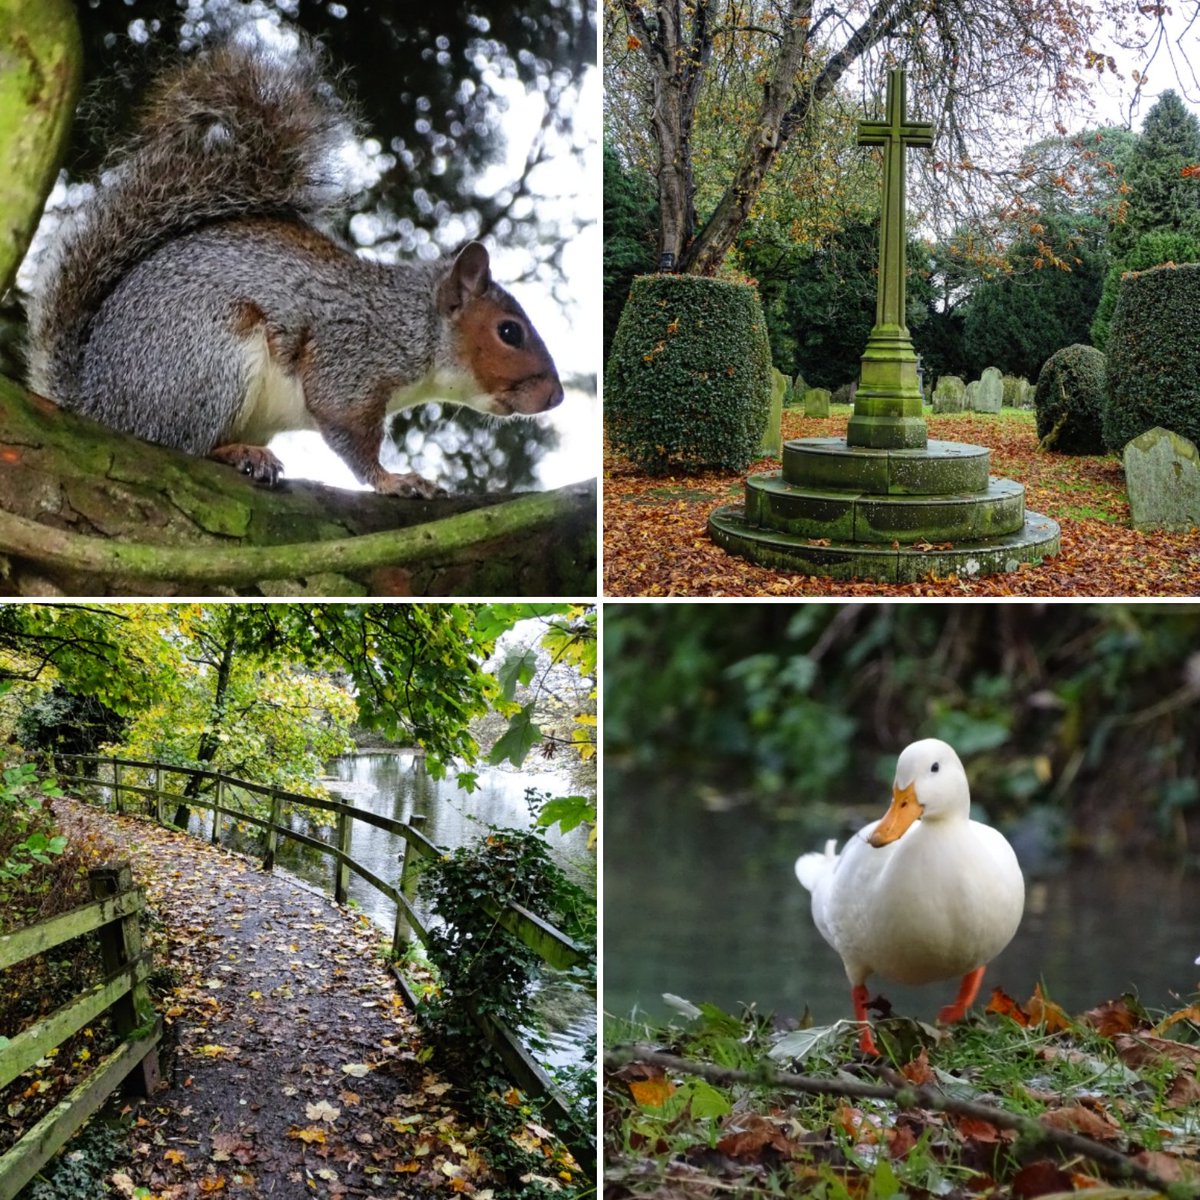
[(113, 917), (551, 944)]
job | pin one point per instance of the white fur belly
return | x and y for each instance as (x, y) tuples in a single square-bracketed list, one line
[(274, 397)]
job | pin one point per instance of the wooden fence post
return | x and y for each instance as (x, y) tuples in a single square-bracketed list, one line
[(155, 807), (341, 872), (117, 800), (218, 799), (273, 832), (121, 945)]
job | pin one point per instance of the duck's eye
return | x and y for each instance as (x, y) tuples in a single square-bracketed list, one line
[(934, 767), (511, 333)]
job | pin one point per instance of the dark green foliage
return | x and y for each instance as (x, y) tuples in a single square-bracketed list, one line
[(64, 722), (630, 235), (1017, 320), (1161, 198), (781, 708), (1071, 385), (1152, 250), (826, 312), (688, 384), (483, 969), (1154, 356), (82, 1170)]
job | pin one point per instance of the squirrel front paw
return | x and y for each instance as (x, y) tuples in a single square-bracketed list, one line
[(256, 461), (410, 485)]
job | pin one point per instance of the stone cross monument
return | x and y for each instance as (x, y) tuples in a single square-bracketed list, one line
[(887, 406)]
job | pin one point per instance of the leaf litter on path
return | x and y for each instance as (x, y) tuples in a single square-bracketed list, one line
[(256, 1102)]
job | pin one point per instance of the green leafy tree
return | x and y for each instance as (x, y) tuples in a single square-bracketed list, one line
[(1042, 302), (1161, 197), (630, 226)]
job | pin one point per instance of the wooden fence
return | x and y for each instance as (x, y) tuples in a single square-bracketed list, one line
[(113, 918), (553, 946)]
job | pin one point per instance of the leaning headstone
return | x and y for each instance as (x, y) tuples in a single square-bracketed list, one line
[(972, 396), (1162, 477), (816, 402), (990, 392), (772, 439), (949, 394)]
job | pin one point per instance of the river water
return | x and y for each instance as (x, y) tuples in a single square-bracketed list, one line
[(706, 906), (396, 784)]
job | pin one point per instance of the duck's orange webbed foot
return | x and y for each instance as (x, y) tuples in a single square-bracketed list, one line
[(967, 991), (866, 1040)]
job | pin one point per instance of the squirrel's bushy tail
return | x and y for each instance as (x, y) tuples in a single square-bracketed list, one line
[(239, 130)]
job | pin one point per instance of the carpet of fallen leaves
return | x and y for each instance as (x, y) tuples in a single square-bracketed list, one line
[(1111, 1075), (292, 1067), (655, 543)]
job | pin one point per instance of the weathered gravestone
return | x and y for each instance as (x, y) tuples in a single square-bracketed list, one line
[(772, 439), (799, 387), (972, 396), (1162, 477), (816, 402), (989, 395), (949, 395)]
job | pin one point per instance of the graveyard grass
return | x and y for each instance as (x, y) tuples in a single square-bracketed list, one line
[(1117, 1074), (655, 542)]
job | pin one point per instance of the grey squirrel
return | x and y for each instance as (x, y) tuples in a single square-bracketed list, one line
[(195, 301)]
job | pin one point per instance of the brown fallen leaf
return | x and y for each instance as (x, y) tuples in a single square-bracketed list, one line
[(1075, 1118), (918, 1070), (748, 1135), (1111, 1017), (1039, 1179), (1045, 1012)]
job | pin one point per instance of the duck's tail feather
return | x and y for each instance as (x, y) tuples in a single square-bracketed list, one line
[(811, 867)]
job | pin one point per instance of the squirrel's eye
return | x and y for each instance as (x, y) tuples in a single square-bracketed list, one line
[(511, 333)]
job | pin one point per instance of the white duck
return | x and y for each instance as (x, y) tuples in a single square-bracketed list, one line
[(923, 894)]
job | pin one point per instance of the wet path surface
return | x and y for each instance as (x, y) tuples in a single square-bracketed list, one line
[(291, 1066)]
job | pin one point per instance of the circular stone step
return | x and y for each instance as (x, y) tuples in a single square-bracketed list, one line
[(940, 469), (1035, 540), (773, 503)]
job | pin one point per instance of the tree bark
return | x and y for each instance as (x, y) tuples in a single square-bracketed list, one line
[(88, 512), (41, 63), (678, 60)]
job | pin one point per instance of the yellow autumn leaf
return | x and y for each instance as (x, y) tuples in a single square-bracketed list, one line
[(175, 1156), (210, 1051), (308, 1136)]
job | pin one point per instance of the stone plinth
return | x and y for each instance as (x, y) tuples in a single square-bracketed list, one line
[(892, 515)]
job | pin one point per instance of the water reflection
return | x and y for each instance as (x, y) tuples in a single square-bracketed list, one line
[(705, 905)]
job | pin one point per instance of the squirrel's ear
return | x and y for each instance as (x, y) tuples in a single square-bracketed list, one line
[(468, 278)]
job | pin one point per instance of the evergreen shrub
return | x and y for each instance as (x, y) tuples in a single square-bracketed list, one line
[(1071, 384), (1153, 372), (1153, 249), (688, 383)]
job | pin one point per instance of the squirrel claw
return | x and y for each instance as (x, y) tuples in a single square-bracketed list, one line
[(410, 485), (256, 461)]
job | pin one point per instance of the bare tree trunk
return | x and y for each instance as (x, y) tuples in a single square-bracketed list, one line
[(678, 59), (787, 102)]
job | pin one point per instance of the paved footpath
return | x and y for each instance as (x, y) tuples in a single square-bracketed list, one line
[(295, 1070)]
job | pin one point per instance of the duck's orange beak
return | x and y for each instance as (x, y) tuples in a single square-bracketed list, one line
[(902, 812)]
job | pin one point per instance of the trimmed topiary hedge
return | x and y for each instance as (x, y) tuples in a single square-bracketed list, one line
[(1071, 385), (688, 383), (1154, 356)]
